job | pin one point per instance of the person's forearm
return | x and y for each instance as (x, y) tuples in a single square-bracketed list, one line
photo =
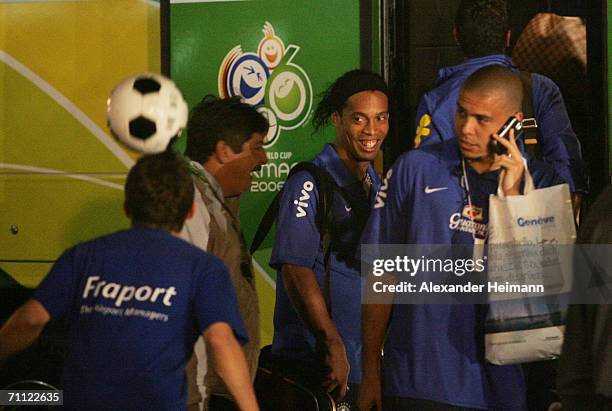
[(375, 319), (22, 328), (231, 365), (307, 299)]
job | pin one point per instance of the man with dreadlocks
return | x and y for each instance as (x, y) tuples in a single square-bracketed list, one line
[(357, 106)]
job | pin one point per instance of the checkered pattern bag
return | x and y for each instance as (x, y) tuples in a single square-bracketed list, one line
[(554, 46)]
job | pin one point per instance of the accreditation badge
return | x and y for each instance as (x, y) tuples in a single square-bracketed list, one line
[(472, 212)]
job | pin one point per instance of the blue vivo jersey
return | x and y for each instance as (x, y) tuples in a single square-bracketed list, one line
[(298, 242), (558, 142), (135, 302), (436, 352)]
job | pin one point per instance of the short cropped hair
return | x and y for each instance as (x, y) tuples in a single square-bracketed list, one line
[(159, 191), (334, 98), (228, 119), (500, 78), (482, 26)]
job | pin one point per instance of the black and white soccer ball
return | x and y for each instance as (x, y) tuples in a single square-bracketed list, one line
[(146, 111)]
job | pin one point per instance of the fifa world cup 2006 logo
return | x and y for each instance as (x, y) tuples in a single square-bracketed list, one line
[(269, 80)]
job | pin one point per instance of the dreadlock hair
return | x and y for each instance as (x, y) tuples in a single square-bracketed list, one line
[(334, 98)]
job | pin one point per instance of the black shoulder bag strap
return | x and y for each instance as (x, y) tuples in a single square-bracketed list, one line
[(326, 187), (530, 135)]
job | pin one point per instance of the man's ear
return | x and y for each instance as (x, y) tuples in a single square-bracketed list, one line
[(455, 35), (508, 37), (519, 115), (126, 210), (335, 118), (222, 151), (191, 211)]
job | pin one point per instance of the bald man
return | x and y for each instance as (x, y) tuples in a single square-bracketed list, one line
[(482, 32), (439, 194)]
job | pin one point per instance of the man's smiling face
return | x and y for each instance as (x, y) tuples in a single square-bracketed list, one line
[(235, 175), (362, 125)]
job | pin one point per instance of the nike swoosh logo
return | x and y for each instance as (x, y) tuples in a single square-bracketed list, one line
[(429, 190), (348, 209)]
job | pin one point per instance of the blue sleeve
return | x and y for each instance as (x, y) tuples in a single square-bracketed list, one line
[(297, 239), (560, 146), (436, 114), (388, 219), (425, 131), (544, 174), (215, 299), (57, 291)]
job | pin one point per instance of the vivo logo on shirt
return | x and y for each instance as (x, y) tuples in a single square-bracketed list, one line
[(381, 196), (120, 293), (525, 222), (301, 201)]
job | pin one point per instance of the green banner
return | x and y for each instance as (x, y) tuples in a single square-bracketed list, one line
[(278, 55)]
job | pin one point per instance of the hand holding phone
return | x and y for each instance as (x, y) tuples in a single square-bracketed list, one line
[(510, 158), (504, 132)]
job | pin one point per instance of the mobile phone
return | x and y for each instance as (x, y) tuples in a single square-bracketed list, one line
[(504, 132)]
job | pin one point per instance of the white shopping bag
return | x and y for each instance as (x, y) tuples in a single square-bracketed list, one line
[(528, 255)]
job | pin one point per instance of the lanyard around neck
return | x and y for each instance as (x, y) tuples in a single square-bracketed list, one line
[(466, 186)]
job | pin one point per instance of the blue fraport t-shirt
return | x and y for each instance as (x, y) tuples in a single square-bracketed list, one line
[(298, 242), (135, 302), (559, 145), (436, 352)]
